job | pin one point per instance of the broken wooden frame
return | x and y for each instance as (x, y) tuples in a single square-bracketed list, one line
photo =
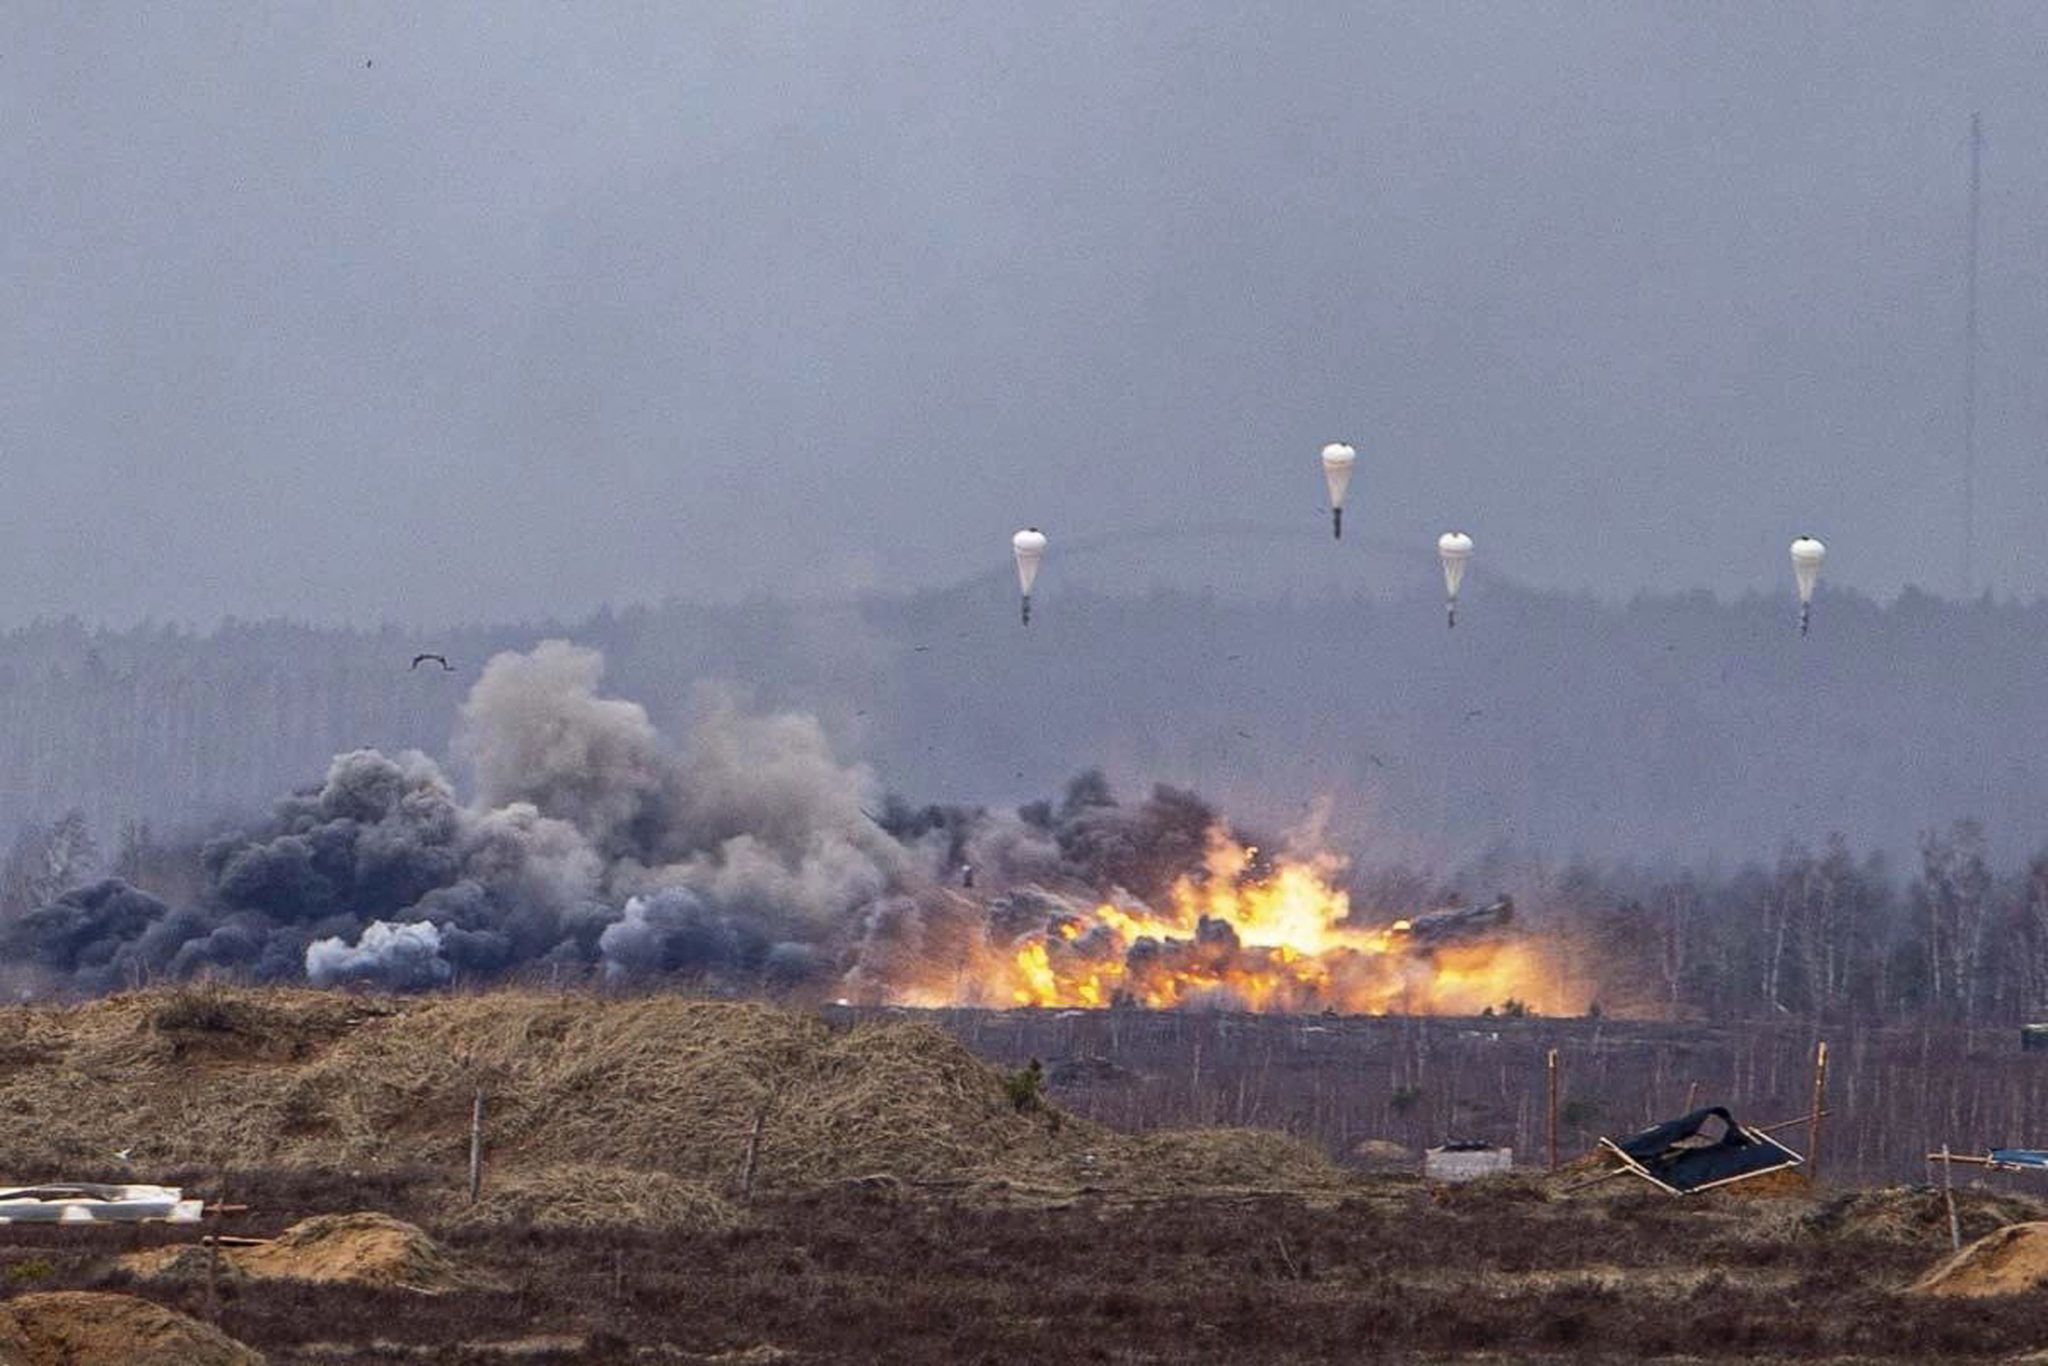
[(1631, 1167), (1998, 1159)]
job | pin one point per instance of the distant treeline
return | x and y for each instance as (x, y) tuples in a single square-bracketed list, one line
[(1618, 742), (1820, 935)]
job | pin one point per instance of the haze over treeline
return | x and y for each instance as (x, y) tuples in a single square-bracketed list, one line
[(1681, 730)]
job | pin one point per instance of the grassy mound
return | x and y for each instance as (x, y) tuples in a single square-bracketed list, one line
[(219, 1078), (359, 1249), (2010, 1261), (595, 1105), (1919, 1215), (72, 1327)]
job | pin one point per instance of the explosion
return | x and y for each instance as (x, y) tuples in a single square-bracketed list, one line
[(747, 857), (1266, 938)]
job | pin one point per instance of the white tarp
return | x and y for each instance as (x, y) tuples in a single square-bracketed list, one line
[(95, 1204)]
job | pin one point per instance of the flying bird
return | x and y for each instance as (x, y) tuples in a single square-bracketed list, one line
[(442, 660), (122, 1156)]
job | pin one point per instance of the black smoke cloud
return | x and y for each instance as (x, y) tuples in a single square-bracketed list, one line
[(745, 854)]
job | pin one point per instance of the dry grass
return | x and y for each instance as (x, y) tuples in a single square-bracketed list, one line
[(579, 1196), (361, 1248), (71, 1328), (1918, 1215), (2010, 1261), (215, 1079)]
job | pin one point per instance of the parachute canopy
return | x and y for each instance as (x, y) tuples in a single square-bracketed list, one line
[(1807, 554), (1029, 545), (1338, 459), (1454, 548)]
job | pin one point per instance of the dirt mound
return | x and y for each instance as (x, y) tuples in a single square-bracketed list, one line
[(1784, 1183), (649, 1084), (362, 1249), (2006, 1262), (582, 1196), (1918, 1214), (653, 1100), (82, 1328)]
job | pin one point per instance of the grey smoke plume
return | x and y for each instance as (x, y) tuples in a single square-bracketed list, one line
[(743, 854)]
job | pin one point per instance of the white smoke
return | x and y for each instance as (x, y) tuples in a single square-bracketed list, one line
[(403, 956)]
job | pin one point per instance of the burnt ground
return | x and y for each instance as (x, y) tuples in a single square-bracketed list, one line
[(1384, 1270)]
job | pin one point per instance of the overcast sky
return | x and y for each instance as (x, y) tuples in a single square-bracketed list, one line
[(425, 312)]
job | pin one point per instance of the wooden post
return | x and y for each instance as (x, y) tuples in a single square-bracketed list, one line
[(212, 1279), (1551, 1062), (753, 1153), (1820, 1086), (1948, 1194), (476, 1148)]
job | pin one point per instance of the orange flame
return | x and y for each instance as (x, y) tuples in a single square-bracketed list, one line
[(1278, 940)]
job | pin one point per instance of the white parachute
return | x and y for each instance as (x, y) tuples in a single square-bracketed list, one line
[(1029, 547), (1807, 554), (1338, 459), (1454, 548)]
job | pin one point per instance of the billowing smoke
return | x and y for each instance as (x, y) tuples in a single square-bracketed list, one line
[(406, 955), (745, 853)]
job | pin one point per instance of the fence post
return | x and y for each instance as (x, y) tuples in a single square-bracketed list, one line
[(1552, 1065), (752, 1157), (476, 1147), (1820, 1086), (1948, 1194)]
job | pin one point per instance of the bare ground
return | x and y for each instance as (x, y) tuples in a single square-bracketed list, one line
[(916, 1214)]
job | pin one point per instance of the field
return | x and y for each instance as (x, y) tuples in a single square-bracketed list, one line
[(1894, 1093), (669, 1180)]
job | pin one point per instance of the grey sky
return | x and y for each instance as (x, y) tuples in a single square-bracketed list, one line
[(543, 308)]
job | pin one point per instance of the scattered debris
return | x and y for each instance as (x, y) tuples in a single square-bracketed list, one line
[(77, 1203), (1446, 926), (1999, 1159), (1678, 1158)]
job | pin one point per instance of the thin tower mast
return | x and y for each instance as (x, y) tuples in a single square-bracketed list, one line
[(1970, 371)]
